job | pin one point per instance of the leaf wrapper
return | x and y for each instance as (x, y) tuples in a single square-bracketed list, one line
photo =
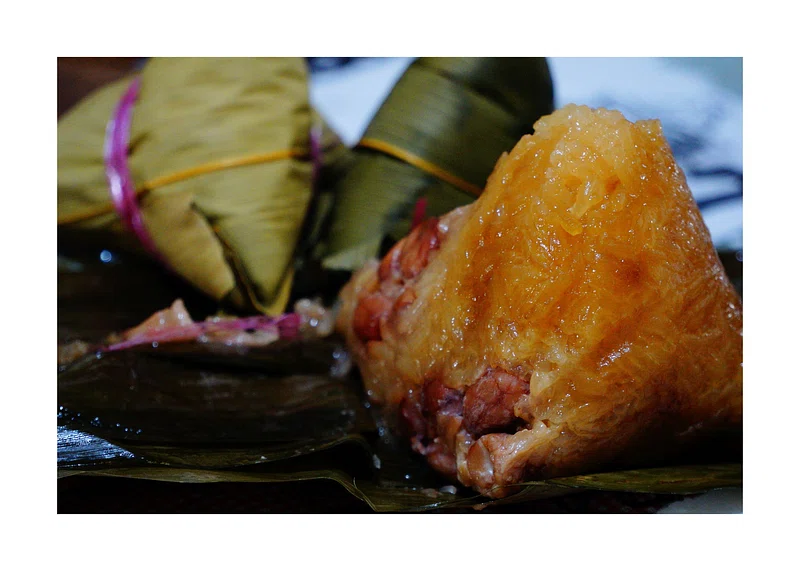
[(233, 232), (455, 114)]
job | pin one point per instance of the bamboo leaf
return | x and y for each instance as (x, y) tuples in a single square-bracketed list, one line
[(232, 233), (457, 114), (383, 498)]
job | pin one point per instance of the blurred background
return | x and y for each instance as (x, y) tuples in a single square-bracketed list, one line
[(698, 100)]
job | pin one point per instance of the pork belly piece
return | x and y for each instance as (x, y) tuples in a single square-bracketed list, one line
[(575, 317)]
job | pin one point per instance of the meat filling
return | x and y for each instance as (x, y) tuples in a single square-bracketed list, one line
[(489, 403), (439, 419), (441, 422)]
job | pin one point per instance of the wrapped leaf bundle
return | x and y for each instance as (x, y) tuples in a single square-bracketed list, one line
[(220, 156), (437, 136)]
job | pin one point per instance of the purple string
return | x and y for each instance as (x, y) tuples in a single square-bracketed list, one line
[(120, 183)]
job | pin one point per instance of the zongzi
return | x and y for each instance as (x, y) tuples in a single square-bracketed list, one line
[(575, 317), (221, 153)]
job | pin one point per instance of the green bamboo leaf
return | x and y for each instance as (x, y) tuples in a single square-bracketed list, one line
[(100, 453), (457, 114), (139, 397), (662, 480), (382, 498)]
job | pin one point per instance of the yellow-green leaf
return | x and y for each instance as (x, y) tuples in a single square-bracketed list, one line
[(437, 136), (231, 232)]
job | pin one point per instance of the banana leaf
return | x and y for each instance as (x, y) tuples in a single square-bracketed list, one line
[(289, 412), (219, 153), (436, 137)]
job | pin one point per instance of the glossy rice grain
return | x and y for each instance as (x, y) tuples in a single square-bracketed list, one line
[(577, 313)]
